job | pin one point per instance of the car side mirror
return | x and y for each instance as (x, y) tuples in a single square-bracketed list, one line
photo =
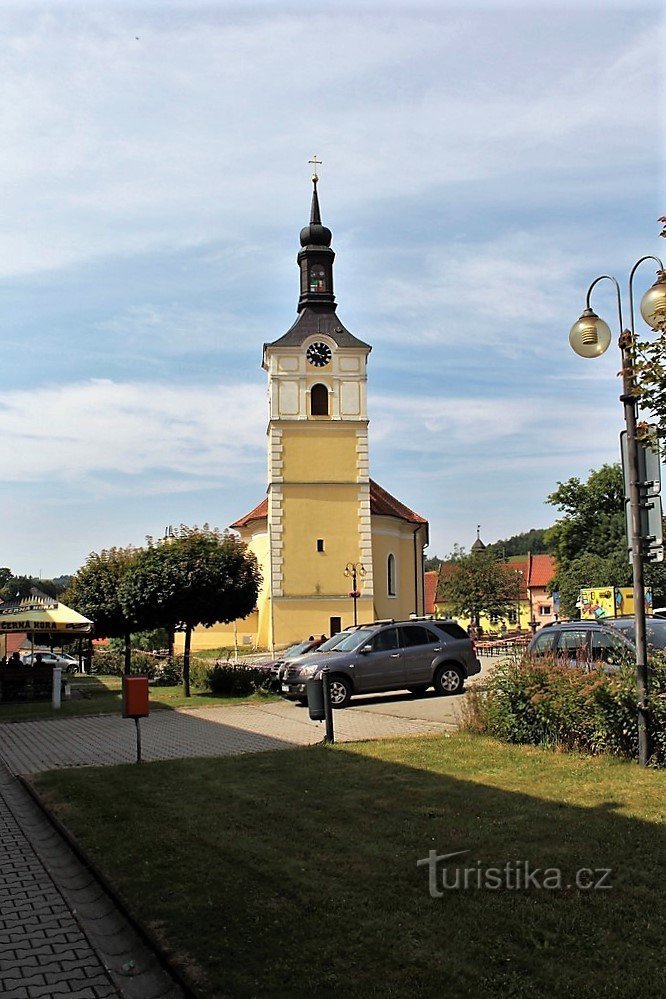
[(365, 649)]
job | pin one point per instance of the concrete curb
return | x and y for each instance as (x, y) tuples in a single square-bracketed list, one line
[(146, 936)]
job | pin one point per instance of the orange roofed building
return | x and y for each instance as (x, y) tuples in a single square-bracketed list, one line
[(534, 604)]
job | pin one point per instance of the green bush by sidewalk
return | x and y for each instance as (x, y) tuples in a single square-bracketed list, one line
[(546, 703), (227, 679)]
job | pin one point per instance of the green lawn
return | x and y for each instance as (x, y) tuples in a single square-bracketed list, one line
[(294, 873), (93, 695)]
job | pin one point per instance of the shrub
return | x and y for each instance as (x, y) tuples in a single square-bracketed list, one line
[(168, 672), (112, 663), (548, 703), (226, 679)]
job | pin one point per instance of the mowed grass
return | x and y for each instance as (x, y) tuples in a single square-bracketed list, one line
[(98, 694), (294, 873)]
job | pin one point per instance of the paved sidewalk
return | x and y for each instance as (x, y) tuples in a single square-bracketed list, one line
[(60, 933), (107, 740)]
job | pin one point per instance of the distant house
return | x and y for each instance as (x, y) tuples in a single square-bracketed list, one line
[(431, 578), (534, 605)]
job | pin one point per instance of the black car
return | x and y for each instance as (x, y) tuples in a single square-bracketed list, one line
[(610, 640)]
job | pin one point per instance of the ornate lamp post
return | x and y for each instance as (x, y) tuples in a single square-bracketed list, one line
[(355, 570), (590, 336)]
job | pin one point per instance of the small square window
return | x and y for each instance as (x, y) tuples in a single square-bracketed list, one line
[(320, 544)]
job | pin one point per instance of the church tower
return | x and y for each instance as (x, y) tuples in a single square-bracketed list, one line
[(318, 475), (333, 547)]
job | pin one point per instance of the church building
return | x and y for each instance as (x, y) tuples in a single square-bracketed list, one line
[(333, 546)]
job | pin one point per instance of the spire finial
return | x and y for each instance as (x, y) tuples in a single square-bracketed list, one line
[(315, 163), (478, 532)]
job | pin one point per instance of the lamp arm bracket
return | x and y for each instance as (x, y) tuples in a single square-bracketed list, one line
[(631, 281), (607, 277)]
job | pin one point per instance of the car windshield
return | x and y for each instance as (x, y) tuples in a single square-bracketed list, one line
[(334, 642), (354, 640), (297, 650), (655, 630)]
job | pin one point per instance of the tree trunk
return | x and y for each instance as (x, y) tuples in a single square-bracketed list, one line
[(186, 659), (128, 654), (170, 641)]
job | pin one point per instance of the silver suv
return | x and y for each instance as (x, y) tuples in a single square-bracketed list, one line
[(388, 655)]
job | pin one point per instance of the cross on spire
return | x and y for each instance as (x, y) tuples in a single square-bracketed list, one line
[(315, 162)]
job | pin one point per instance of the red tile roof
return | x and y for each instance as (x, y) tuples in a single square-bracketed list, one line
[(431, 578), (260, 511), (542, 570), (382, 504)]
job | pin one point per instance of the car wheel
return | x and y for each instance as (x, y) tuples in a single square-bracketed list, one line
[(341, 691), (420, 689), (449, 679)]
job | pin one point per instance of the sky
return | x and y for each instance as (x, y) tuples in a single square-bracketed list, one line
[(482, 163)]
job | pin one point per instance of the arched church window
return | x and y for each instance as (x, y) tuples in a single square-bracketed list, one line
[(319, 400), (317, 278), (390, 575)]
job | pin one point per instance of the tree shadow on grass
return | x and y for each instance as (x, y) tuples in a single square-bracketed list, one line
[(296, 873)]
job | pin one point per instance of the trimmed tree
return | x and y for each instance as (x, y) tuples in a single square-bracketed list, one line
[(199, 576), (95, 592), (478, 584)]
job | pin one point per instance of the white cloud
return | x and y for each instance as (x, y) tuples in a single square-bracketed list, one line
[(192, 132), (135, 437)]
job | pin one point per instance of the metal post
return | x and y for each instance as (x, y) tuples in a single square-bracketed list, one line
[(354, 591), (629, 402), (138, 739), (328, 709), (57, 687), (628, 399)]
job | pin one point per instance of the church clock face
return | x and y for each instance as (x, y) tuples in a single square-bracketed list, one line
[(318, 354)]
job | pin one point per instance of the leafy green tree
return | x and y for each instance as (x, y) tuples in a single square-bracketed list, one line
[(589, 542), (95, 592), (432, 564), (593, 518), (197, 577), (477, 584), (650, 375)]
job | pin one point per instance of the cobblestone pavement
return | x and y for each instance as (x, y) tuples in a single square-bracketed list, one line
[(104, 740), (60, 933)]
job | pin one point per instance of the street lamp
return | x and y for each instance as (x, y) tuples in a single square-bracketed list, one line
[(355, 570), (590, 336)]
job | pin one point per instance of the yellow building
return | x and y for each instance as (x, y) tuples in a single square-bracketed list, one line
[(323, 516)]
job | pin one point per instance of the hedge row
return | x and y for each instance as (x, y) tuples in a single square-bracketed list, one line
[(223, 679), (547, 703)]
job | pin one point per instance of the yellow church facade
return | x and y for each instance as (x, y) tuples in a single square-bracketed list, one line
[(324, 523)]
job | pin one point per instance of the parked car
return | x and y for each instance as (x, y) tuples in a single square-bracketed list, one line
[(327, 646), (388, 655), (272, 666), (68, 664), (609, 641)]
